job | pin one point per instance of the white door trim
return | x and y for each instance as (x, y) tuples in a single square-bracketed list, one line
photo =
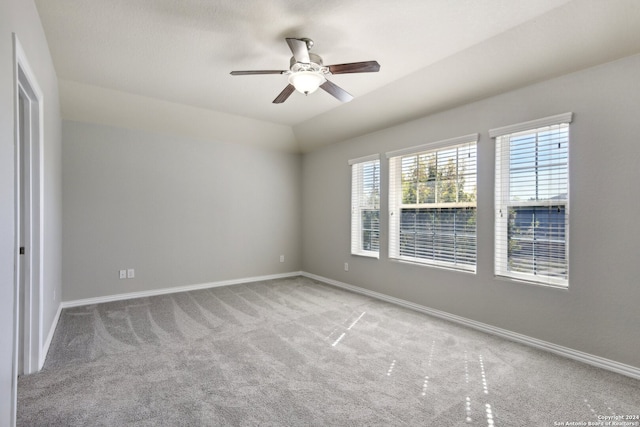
[(25, 82)]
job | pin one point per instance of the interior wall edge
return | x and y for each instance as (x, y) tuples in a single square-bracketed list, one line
[(47, 343)]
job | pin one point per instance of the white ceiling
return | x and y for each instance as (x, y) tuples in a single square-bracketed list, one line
[(434, 54)]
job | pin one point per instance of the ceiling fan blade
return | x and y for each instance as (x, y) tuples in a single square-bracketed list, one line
[(336, 91), (355, 67), (284, 94), (252, 72), (299, 49)]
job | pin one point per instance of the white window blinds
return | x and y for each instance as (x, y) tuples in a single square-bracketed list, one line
[(432, 202), (365, 206), (532, 201)]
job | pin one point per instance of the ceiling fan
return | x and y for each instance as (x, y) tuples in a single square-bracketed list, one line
[(307, 72)]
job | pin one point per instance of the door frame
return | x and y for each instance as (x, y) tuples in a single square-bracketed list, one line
[(31, 218)]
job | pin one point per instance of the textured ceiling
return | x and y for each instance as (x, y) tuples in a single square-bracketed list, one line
[(433, 53)]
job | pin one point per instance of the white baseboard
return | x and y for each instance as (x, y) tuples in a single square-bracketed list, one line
[(176, 289), (47, 342), (597, 361)]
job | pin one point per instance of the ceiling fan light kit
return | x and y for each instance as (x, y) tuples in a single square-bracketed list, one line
[(307, 72), (306, 81)]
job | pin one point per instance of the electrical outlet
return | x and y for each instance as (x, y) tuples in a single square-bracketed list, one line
[(131, 273), (281, 258), (346, 266), (123, 274)]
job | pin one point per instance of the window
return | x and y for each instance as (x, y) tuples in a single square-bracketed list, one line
[(432, 203), (365, 206), (532, 201)]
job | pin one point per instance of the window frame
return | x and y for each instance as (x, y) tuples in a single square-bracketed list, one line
[(396, 204), (357, 208), (503, 137)]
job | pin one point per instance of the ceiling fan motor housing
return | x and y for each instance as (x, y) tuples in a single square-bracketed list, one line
[(316, 64)]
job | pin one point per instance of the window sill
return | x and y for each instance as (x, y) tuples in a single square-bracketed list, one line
[(511, 279), (373, 255), (438, 266)]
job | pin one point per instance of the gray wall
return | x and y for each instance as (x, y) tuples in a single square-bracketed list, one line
[(599, 313), (21, 17), (180, 211)]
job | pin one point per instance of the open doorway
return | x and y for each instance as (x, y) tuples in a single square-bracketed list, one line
[(28, 288)]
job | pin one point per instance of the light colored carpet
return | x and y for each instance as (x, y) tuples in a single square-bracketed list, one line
[(297, 352)]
